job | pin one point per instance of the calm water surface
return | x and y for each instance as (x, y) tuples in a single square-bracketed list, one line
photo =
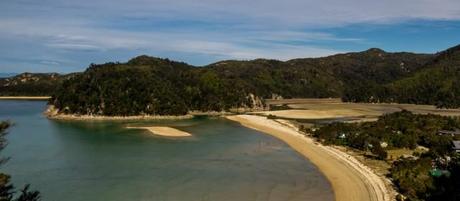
[(102, 161)]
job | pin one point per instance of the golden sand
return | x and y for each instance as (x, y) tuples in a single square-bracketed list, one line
[(164, 131)]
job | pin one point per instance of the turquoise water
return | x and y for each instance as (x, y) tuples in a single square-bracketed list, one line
[(84, 161)]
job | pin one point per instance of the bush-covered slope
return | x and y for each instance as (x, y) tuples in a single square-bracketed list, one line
[(147, 85), (437, 84)]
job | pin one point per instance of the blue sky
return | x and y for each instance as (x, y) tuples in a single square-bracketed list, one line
[(66, 36)]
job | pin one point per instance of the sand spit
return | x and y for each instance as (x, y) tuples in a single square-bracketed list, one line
[(350, 179), (164, 131), (25, 97)]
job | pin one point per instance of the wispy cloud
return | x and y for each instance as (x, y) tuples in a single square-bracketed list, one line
[(76, 33), (47, 62), (231, 44)]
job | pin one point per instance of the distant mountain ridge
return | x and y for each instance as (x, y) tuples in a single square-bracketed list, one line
[(437, 83), (150, 85)]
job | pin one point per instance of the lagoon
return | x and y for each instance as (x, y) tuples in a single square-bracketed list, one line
[(85, 161)]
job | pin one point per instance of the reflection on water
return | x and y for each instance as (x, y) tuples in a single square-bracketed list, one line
[(103, 161)]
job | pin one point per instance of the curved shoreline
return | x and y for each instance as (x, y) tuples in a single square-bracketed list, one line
[(350, 179)]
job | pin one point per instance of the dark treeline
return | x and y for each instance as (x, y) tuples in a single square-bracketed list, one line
[(432, 175)]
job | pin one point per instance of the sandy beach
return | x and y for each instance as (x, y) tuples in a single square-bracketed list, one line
[(25, 97), (164, 131), (350, 179)]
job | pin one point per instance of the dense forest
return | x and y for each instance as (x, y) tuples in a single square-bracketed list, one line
[(149, 85), (430, 175), (438, 83)]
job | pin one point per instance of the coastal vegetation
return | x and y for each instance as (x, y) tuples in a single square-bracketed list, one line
[(7, 190), (427, 175), (150, 86), (438, 83)]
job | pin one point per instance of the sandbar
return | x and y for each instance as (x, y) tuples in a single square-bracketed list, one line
[(164, 131)]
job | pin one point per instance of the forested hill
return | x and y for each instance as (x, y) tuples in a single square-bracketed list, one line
[(322, 77), (438, 83), (148, 85), (31, 84)]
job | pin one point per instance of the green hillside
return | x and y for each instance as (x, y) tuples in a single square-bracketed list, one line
[(438, 83)]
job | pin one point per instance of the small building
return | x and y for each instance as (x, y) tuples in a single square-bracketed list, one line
[(456, 146), (454, 133)]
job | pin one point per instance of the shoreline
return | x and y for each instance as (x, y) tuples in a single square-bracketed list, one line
[(350, 179), (72, 117), (52, 113), (25, 97)]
